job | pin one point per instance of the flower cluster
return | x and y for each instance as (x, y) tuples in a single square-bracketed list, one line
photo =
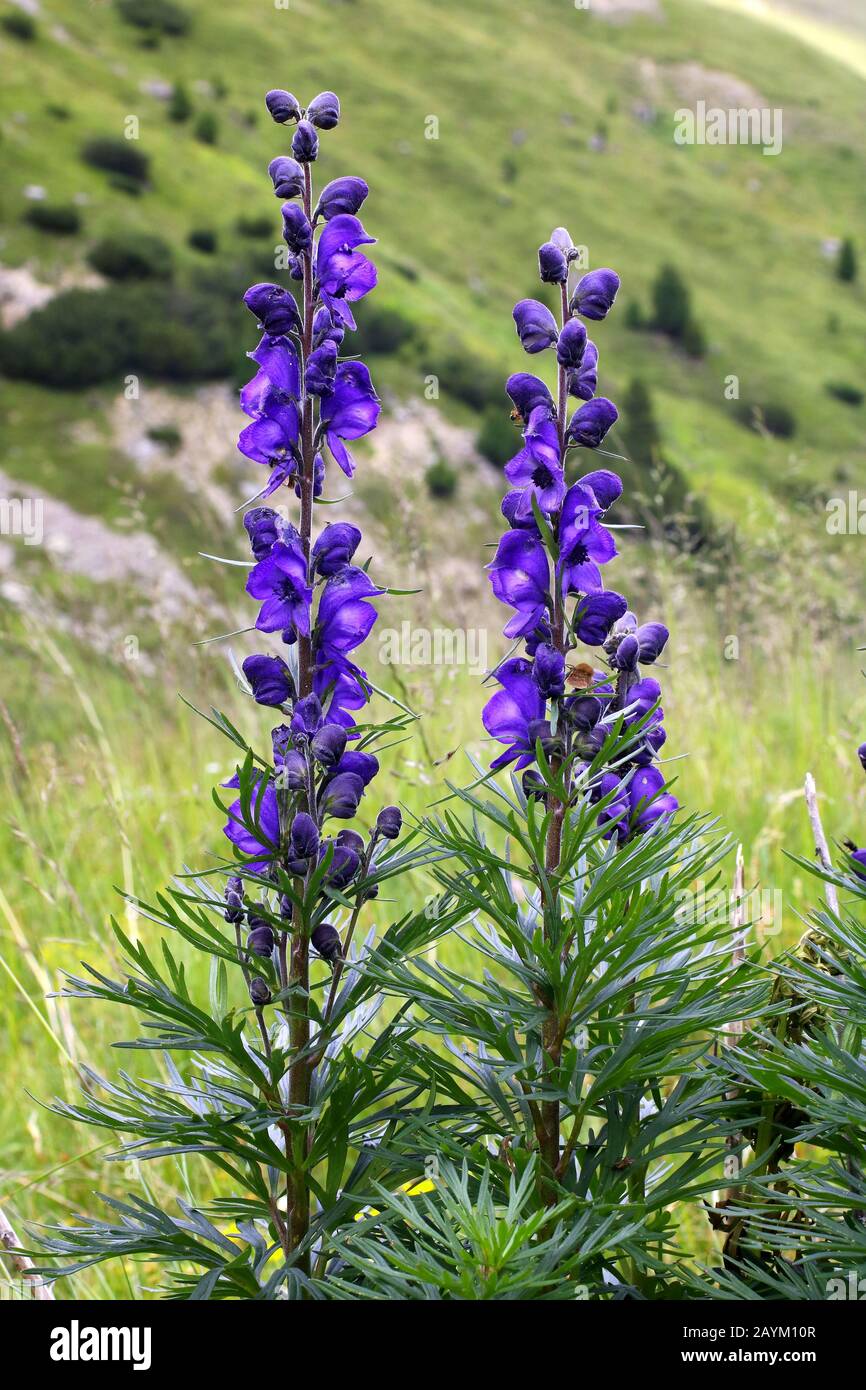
[(548, 569), (306, 402)]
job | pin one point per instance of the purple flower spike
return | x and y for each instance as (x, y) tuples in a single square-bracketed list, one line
[(571, 346), (282, 106), (287, 176), (341, 196), (536, 326), (595, 293), (552, 264), (270, 678), (280, 580), (305, 143), (590, 423)]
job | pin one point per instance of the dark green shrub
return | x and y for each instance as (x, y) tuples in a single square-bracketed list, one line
[(159, 16), (846, 265), (671, 302), (772, 416), (54, 217), (133, 256), (694, 339), (20, 26), (169, 436), (498, 438), (639, 427), (382, 329), (441, 480), (255, 226), (843, 391), (462, 376), (203, 239), (118, 157), (179, 106), (634, 316), (206, 128)]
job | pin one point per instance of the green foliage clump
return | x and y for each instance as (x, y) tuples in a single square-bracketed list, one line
[(62, 218), (497, 439), (672, 311), (770, 417), (206, 128), (203, 239), (19, 25), (846, 264), (133, 256), (845, 392), (254, 227), (441, 480), (155, 16), (383, 329), (179, 105), (641, 430), (118, 157)]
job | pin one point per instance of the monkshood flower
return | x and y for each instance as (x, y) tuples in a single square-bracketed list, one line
[(305, 143), (861, 754), (549, 568), (260, 845), (282, 106), (287, 176), (350, 411), (345, 618), (341, 197), (334, 548), (270, 680), (274, 307), (343, 273), (280, 581)]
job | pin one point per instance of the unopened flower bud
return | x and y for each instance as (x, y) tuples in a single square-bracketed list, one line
[(324, 110), (287, 176), (389, 822), (259, 991), (282, 106), (552, 265), (234, 899), (328, 744), (305, 143), (261, 938), (326, 941)]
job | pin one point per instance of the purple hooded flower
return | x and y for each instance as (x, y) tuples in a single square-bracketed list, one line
[(552, 264), (861, 754), (274, 307), (596, 615), (351, 410), (324, 110), (626, 655), (536, 326), (282, 106), (342, 797), (335, 547), (389, 822), (548, 672), (272, 439), (287, 176), (513, 508), (591, 422), (584, 544), (297, 232), (247, 841), (520, 576), (304, 836), (270, 678), (325, 330), (328, 744), (341, 196), (858, 861), (595, 293), (605, 486), (536, 469), (512, 714), (265, 527), (343, 273), (360, 764), (571, 346), (234, 899), (280, 580), (261, 939), (321, 369), (583, 380), (338, 685), (345, 618), (527, 393), (651, 639), (325, 941), (345, 863), (648, 801), (279, 372), (305, 143)]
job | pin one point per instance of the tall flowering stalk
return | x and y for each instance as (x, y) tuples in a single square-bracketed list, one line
[(280, 1084)]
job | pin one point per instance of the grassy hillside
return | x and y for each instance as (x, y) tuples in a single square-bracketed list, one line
[(546, 115)]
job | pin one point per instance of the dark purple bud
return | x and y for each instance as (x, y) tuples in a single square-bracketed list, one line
[(651, 638), (389, 822), (571, 345), (340, 196), (326, 942), (307, 715), (539, 729), (344, 866), (591, 742), (321, 369), (527, 392), (536, 326), (287, 176), (596, 616), (335, 547), (538, 636), (626, 655), (265, 527), (259, 992), (281, 741), (305, 143), (342, 796), (858, 862), (590, 423), (293, 773), (548, 672), (304, 835), (605, 486), (282, 106), (325, 330), (583, 380), (583, 712), (552, 264), (513, 506), (297, 232), (533, 785), (329, 744), (270, 678), (234, 899), (861, 754), (594, 294), (363, 765), (350, 839), (324, 110), (274, 307), (261, 938)]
